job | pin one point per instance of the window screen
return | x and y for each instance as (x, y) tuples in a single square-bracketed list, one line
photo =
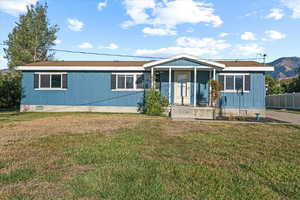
[(147, 80), (45, 80), (247, 83), (65, 81), (221, 81), (129, 82), (56, 81), (139, 81), (229, 83), (113, 81), (239, 82), (36, 81), (121, 81)]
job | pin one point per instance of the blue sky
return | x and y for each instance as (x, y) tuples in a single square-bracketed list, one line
[(204, 28)]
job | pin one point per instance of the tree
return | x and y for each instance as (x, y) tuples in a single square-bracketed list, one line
[(273, 85), (31, 38)]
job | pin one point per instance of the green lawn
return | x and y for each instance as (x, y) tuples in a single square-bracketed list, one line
[(154, 158)]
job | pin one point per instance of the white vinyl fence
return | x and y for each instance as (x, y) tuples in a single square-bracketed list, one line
[(284, 101)]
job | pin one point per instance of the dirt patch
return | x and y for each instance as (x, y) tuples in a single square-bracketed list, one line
[(80, 123)]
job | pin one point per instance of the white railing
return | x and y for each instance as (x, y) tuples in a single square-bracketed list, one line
[(284, 101)]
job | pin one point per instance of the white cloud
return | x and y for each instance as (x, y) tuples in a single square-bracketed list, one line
[(57, 41), (222, 35), (188, 45), (276, 14), (274, 35), (248, 49), (136, 9), (186, 11), (102, 4), (169, 14), (75, 24), (3, 62), (294, 5), (85, 45), (111, 46), (252, 13), (158, 31), (15, 7), (248, 36)]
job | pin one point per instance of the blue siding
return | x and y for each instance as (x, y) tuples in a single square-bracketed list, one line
[(94, 89), (84, 89), (255, 99), (181, 62)]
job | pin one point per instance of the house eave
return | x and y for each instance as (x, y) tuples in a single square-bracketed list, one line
[(249, 69), (79, 68)]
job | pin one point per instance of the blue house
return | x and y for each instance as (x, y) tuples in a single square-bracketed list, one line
[(119, 86)]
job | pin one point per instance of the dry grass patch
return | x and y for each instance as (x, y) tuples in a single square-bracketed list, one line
[(100, 156), (69, 123)]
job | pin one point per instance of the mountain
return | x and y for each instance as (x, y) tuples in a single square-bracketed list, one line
[(285, 67)]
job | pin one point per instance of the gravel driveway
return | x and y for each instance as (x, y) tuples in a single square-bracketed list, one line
[(284, 116)]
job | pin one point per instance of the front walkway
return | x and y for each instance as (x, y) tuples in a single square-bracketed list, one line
[(284, 116)]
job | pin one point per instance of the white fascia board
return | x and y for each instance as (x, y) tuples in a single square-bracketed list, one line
[(249, 69), (78, 68), (183, 67), (182, 57)]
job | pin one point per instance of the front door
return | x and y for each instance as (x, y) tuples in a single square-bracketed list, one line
[(182, 94)]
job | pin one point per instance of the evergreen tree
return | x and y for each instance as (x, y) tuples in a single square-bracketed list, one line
[(273, 85), (31, 38)]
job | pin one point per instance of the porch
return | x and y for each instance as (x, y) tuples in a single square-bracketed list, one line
[(184, 81)]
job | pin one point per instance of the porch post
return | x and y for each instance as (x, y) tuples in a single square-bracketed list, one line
[(214, 76), (152, 77), (170, 84), (195, 86), (209, 102)]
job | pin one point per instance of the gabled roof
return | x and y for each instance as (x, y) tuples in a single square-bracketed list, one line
[(141, 65), (188, 57)]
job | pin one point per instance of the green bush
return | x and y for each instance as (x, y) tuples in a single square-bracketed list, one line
[(10, 90), (154, 103)]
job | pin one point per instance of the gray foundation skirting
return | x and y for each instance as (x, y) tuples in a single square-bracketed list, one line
[(52, 108)]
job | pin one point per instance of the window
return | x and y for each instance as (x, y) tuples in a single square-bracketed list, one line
[(129, 81), (50, 81), (229, 83), (235, 82)]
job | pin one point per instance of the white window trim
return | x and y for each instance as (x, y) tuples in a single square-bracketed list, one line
[(134, 82), (234, 76), (51, 73)]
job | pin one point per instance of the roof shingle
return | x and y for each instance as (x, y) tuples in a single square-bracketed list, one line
[(133, 63)]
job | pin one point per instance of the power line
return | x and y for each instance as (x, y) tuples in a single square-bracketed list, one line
[(105, 54), (144, 57)]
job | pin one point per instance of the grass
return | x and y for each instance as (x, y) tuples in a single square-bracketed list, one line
[(156, 159), (16, 176)]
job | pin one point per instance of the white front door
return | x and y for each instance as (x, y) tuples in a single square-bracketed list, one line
[(182, 90)]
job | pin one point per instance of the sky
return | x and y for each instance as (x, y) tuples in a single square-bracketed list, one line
[(208, 29)]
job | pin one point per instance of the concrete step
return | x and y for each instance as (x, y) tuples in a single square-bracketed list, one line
[(189, 112)]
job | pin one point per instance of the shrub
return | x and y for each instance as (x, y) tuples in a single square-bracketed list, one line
[(216, 88), (10, 90), (154, 103)]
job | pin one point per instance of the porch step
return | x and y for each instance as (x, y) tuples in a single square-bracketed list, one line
[(189, 112)]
